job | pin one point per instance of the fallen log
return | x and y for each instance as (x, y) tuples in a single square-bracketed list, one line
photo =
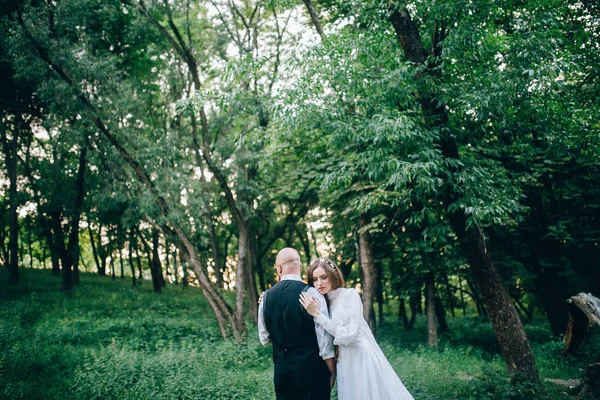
[(584, 314)]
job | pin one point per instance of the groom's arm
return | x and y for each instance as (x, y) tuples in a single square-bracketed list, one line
[(263, 333)]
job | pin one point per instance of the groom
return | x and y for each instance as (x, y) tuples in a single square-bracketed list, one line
[(303, 352)]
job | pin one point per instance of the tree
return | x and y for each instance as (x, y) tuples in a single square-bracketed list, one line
[(372, 114)]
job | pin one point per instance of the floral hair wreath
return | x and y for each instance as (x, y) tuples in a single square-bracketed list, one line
[(324, 261)]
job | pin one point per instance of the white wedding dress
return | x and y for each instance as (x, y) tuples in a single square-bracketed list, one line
[(363, 372)]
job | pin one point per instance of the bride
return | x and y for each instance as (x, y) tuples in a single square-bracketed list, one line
[(363, 372)]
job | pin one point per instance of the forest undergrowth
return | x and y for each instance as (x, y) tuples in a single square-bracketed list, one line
[(114, 341)]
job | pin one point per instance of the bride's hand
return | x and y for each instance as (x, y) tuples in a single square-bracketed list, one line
[(261, 297), (310, 304)]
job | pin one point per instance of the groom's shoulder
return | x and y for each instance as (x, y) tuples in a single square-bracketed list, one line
[(281, 285), (313, 291)]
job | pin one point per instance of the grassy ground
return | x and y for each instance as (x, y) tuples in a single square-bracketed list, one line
[(108, 340)]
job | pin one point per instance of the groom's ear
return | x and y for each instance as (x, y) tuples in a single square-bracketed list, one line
[(279, 269)]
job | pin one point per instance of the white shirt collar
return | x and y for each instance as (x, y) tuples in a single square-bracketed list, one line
[(291, 277)]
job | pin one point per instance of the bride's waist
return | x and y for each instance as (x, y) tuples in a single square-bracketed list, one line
[(360, 340)]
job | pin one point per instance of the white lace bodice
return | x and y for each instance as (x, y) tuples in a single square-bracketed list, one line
[(347, 324), (364, 373)]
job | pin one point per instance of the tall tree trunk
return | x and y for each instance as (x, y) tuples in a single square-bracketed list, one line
[(403, 316), (138, 259), (226, 315), (415, 308), (440, 314), (553, 290), (260, 271), (58, 241), (121, 264), (519, 304), (120, 243), (368, 268), (112, 266), (511, 335), (216, 254), (44, 255), (220, 307), (130, 257), (10, 151), (29, 246), (54, 255), (552, 286), (168, 268), (184, 266), (258, 264), (21, 252), (161, 276), (72, 256), (379, 290), (95, 252), (241, 276), (109, 253), (449, 295), (477, 298), (155, 268), (102, 271), (251, 281), (314, 17), (462, 297), (67, 272), (303, 236), (103, 251), (4, 256), (418, 302), (432, 333), (242, 222), (82, 261), (176, 266), (225, 254), (149, 255), (512, 338), (138, 256)]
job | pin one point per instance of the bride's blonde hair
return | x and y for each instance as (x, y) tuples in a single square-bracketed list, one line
[(333, 272)]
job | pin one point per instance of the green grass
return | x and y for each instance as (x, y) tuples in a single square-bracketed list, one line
[(108, 340)]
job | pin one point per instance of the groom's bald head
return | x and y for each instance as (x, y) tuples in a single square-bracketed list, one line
[(288, 262)]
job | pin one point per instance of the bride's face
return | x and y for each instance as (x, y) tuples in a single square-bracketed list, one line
[(321, 281)]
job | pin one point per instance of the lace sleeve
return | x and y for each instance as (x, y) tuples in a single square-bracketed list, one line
[(344, 327), (324, 338)]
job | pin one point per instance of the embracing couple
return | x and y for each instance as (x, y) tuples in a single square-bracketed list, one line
[(304, 326)]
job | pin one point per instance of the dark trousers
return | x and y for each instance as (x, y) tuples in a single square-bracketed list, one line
[(302, 381)]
